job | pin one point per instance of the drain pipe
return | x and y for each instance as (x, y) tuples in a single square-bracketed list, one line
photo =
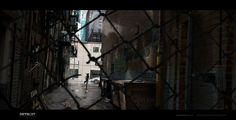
[(189, 61), (158, 78)]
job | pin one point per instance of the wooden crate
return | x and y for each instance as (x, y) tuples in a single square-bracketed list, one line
[(140, 96), (134, 96)]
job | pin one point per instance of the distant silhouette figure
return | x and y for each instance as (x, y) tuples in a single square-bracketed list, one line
[(86, 81)]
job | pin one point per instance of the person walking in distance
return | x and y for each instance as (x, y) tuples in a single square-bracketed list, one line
[(86, 81)]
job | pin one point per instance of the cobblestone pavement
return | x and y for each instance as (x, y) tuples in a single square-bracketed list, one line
[(59, 99)]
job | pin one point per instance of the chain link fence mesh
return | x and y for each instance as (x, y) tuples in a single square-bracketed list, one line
[(189, 53)]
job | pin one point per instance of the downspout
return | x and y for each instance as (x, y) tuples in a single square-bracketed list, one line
[(176, 65), (161, 76), (189, 61), (158, 96), (12, 65), (220, 83), (229, 64)]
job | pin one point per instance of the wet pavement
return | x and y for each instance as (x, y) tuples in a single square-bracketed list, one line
[(59, 99)]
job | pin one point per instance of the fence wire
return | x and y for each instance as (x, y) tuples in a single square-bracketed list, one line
[(170, 91)]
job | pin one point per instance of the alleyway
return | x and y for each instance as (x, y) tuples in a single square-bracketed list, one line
[(59, 99), (145, 59)]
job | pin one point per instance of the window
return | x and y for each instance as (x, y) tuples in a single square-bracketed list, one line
[(94, 73), (74, 72), (95, 49), (95, 37), (74, 68)]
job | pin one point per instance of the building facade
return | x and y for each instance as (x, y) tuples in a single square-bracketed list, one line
[(95, 28), (90, 37), (82, 20), (33, 48), (80, 62), (192, 52)]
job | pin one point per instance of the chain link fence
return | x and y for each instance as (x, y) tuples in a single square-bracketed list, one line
[(189, 55)]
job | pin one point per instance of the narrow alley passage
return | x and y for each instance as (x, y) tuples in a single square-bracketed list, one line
[(59, 99), (130, 59)]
